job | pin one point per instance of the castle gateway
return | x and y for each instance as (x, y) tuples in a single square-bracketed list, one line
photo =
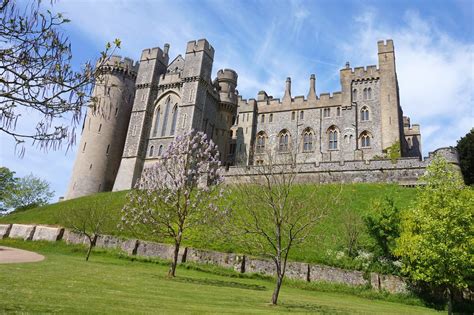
[(338, 137)]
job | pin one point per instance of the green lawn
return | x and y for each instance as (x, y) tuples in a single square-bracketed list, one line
[(65, 283), (328, 234)]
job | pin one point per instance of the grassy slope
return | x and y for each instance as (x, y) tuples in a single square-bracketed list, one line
[(65, 283), (329, 232)]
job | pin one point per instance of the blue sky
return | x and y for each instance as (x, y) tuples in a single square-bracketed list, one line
[(267, 41)]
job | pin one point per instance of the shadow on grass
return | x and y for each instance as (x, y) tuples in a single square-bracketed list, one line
[(313, 308), (219, 283)]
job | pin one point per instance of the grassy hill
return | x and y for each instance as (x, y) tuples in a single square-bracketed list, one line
[(110, 284), (356, 200)]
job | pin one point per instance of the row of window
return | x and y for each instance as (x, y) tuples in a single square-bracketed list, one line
[(308, 140), (364, 112), (152, 151), (366, 94)]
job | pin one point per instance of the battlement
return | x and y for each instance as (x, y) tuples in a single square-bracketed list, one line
[(200, 45), (227, 75), (156, 53), (361, 73), (117, 63), (385, 46)]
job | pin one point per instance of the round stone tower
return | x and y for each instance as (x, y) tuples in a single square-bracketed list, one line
[(105, 129), (227, 82)]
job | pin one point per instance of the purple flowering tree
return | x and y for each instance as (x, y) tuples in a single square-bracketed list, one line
[(177, 193)]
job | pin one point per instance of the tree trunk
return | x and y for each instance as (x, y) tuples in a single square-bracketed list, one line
[(174, 263), (276, 292), (449, 295), (92, 242)]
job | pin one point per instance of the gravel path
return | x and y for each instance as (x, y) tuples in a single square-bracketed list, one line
[(9, 255)]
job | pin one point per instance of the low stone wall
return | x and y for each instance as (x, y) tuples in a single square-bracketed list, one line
[(388, 283), (5, 230), (44, 233), (22, 231), (240, 263)]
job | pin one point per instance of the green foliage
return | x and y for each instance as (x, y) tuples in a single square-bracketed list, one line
[(437, 239), (7, 183), (110, 284), (383, 225), (394, 151), (27, 192), (465, 149)]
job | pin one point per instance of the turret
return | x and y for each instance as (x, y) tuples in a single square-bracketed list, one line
[(105, 127), (312, 88), (287, 96), (227, 81)]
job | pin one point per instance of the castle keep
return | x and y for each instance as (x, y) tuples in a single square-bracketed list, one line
[(149, 102)]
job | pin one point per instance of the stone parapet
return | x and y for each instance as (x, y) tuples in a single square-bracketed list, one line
[(22, 231), (51, 234)]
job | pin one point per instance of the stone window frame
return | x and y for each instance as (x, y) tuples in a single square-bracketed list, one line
[(270, 118), (261, 142), (308, 140), (365, 139), (284, 140), (174, 119), (327, 112), (293, 115), (365, 113), (156, 122), (333, 138), (302, 115), (262, 118), (354, 94), (150, 152)]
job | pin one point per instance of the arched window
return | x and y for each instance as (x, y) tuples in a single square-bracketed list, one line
[(185, 117), (302, 115), (262, 118), (157, 122), (165, 116), (410, 143), (364, 113), (151, 151), (333, 134), (271, 117), (283, 139), (369, 93), (173, 121), (365, 94), (307, 140), (293, 115), (261, 137), (354, 94), (365, 140), (338, 111), (160, 150)]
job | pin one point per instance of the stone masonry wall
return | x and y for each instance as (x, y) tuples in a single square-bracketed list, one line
[(240, 263)]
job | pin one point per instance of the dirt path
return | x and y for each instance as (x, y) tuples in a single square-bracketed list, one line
[(9, 255)]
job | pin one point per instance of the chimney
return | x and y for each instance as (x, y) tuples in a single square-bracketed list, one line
[(312, 88), (166, 49), (287, 89)]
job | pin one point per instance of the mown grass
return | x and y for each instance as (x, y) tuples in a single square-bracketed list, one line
[(328, 235), (65, 283)]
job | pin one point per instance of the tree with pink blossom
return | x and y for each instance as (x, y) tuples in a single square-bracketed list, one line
[(177, 193)]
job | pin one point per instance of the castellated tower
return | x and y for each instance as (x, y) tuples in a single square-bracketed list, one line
[(104, 132), (226, 113)]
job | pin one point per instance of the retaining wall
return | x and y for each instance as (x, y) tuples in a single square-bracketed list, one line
[(240, 263)]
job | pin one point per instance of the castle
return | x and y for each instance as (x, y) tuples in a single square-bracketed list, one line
[(149, 102)]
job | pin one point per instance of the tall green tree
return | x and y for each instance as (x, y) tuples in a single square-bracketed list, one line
[(436, 244), (7, 183), (465, 149)]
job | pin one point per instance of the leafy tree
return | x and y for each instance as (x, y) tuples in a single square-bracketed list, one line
[(29, 191), (178, 193), (36, 75), (277, 216), (436, 244), (7, 183), (383, 224), (465, 149), (90, 221)]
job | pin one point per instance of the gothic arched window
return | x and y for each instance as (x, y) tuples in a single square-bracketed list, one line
[(157, 122), (151, 151), (160, 150), (369, 93), (165, 116), (271, 118), (283, 139), (365, 94), (307, 140), (173, 120), (365, 140), (364, 113), (333, 134), (354, 94), (261, 138)]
